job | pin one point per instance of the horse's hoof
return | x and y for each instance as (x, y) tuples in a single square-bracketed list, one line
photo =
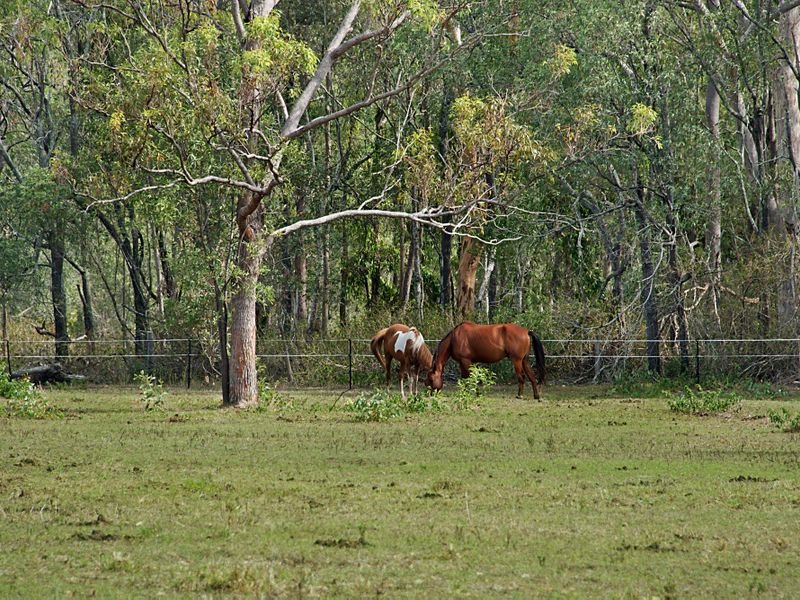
[(520, 397)]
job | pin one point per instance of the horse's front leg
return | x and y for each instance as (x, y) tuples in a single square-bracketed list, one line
[(402, 381), (466, 367)]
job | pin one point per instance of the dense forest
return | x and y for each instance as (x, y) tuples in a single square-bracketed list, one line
[(233, 170)]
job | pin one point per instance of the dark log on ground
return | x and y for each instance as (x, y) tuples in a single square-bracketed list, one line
[(52, 373)]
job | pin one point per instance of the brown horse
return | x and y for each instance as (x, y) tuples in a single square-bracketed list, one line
[(469, 343), (407, 346)]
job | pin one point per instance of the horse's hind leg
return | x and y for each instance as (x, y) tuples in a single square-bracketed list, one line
[(518, 366), (388, 370), (532, 376)]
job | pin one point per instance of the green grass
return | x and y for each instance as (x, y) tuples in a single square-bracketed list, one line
[(580, 495)]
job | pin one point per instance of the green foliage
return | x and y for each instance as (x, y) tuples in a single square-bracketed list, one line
[(785, 420), (275, 55), (151, 391), (383, 405), (380, 405), (562, 61), (16, 389), (426, 12), (24, 400), (697, 401), (640, 384), (471, 389), (642, 120)]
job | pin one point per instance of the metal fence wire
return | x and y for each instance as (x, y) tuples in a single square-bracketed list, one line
[(350, 363)]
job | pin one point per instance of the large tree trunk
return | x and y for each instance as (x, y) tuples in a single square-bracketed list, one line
[(134, 254), (301, 269), (84, 292), (222, 338), (468, 262), (416, 264), (445, 295), (59, 296), (488, 273), (326, 283), (87, 309), (167, 284), (243, 377), (446, 245), (787, 137), (714, 198), (344, 276), (664, 167), (491, 298), (648, 292)]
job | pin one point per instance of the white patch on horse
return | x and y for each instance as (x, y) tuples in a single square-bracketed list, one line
[(418, 341), (404, 338)]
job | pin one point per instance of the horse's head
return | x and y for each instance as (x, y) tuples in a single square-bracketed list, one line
[(434, 379)]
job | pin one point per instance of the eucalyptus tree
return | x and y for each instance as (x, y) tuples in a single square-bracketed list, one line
[(749, 53), (34, 119), (214, 94)]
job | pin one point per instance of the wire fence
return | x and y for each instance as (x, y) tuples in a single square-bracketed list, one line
[(349, 362)]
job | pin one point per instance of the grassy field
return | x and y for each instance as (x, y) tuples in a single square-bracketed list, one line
[(584, 494)]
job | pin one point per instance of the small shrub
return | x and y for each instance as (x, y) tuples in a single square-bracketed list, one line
[(697, 401), (24, 400), (785, 420), (471, 388), (380, 405), (152, 391), (16, 389), (422, 402)]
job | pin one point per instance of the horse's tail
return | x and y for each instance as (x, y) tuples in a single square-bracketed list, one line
[(375, 343), (538, 352)]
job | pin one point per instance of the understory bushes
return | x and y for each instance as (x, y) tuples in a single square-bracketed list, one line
[(382, 405), (24, 400)]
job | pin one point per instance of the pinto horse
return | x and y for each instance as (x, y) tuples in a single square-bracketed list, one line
[(407, 346), (469, 343)]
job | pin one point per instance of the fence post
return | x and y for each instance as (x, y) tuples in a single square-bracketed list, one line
[(350, 361), (8, 357), (697, 361), (189, 365)]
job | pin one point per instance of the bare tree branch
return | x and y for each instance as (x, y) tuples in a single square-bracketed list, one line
[(336, 48)]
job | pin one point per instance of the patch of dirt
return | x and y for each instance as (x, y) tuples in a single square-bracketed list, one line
[(95, 535), (750, 479), (427, 495), (486, 430), (341, 543), (652, 547)]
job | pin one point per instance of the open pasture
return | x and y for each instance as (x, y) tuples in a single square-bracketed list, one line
[(584, 494)]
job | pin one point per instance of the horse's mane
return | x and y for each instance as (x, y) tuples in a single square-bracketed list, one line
[(425, 357), (443, 347), (422, 353)]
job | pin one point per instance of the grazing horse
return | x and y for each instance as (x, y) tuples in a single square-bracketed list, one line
[(407, 346), (468, 343)]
